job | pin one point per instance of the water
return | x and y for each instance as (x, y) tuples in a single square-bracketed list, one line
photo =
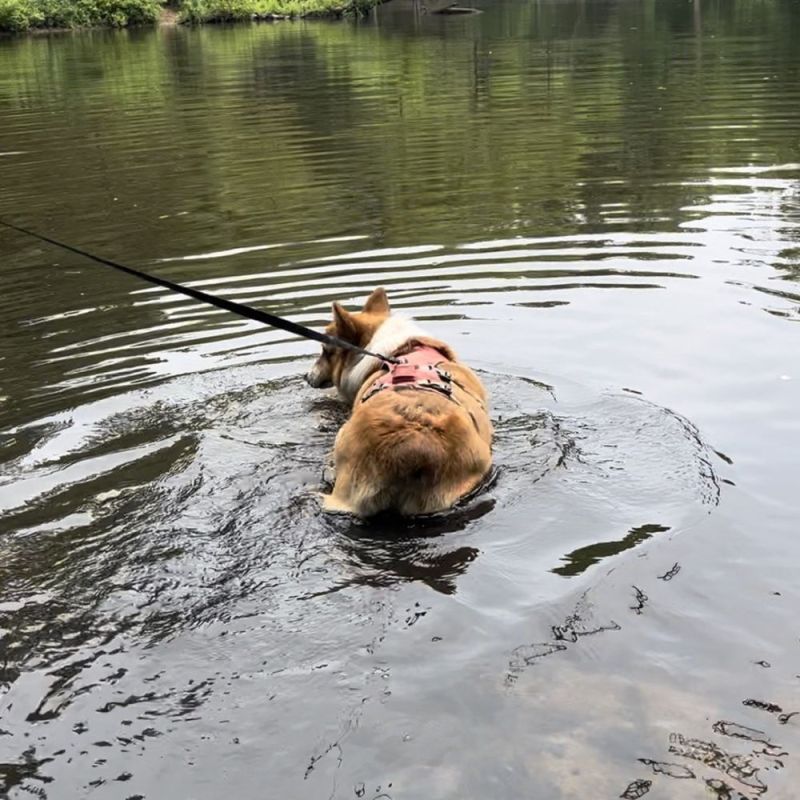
[(597, 204)]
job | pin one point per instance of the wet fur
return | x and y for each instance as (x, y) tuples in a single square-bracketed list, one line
[(409, 451)]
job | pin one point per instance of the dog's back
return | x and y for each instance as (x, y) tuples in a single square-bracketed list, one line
[(412, 451)]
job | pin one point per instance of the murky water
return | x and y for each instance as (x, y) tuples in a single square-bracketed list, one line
[(598, 204)]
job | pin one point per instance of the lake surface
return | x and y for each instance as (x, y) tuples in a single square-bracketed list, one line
[(598, 205)]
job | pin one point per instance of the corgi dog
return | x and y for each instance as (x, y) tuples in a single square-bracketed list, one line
[(419, 436)]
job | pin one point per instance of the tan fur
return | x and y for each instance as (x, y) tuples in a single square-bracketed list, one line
[(411, 451)]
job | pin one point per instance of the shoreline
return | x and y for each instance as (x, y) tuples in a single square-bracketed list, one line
[(168, 16)]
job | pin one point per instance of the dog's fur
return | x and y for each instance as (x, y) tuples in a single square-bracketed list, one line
[(412, 451)]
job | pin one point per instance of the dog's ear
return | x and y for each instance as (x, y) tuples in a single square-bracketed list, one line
[(346, 327), (377, 302)]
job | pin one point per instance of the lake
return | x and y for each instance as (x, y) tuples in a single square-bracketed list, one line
[(598, 205)]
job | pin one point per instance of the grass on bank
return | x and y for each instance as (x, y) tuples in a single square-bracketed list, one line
[(23, 15), (195, 11)]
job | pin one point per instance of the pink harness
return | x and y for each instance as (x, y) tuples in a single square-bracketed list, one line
[(417, 369)]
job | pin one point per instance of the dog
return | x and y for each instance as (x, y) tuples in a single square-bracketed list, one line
[(419, 437)]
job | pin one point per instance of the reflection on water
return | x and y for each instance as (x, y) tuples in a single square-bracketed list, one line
[(584, 557), (597, 204)]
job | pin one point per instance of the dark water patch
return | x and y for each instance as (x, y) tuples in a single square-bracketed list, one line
[(585, 557)]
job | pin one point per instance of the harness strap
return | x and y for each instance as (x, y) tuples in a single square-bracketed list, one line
[(418, 369)]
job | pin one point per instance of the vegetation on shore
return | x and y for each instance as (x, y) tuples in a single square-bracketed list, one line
[(195, 11), (22, 15)]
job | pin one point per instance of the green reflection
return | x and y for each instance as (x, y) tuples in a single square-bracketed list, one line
[(580, 560)]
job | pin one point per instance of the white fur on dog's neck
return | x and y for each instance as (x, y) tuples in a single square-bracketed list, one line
[(393, 333)]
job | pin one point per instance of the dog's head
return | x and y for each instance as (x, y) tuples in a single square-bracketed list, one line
[(355, 327)]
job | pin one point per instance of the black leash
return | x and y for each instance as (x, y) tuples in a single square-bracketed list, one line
[(228, 305)]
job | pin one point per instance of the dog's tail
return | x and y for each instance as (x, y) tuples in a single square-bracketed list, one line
[(415, 468), (412, 473), (416, 456)]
